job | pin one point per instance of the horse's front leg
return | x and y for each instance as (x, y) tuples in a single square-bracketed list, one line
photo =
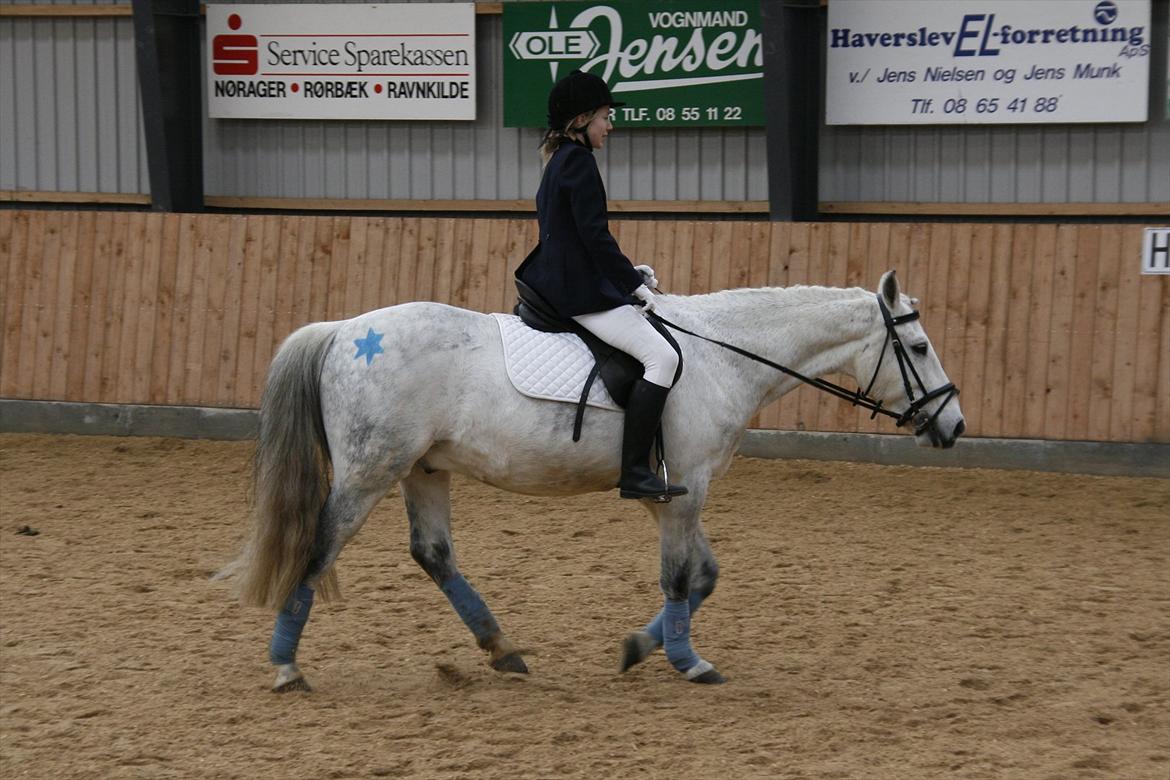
[(688, 576), (704, 574), (428, 505)]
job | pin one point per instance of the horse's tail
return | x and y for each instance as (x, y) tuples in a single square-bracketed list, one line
[(290, 474)]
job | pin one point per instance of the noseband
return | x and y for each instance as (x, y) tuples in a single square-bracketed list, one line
[(914, 413)]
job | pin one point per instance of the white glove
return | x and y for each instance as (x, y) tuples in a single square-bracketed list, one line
[(648, 277), (646, 297)]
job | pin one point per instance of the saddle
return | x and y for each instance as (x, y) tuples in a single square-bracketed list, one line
[(618, 370)]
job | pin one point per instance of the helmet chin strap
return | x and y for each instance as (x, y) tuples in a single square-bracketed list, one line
[(580, 134)]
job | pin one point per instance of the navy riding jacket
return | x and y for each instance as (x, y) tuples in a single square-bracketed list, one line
[(577, 266)]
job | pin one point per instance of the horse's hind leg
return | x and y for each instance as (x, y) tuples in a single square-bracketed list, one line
[(344, 512), (428, 505)]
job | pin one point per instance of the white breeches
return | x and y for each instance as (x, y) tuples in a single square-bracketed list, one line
[(626, 329)]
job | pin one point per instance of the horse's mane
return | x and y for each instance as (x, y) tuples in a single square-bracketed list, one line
[(782, 297)]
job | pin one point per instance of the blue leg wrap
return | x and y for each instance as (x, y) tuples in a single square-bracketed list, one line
[(676, 631), (471, 608), (289, 625), (654, 627)]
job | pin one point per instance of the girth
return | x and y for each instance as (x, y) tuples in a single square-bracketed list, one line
[(618, 370)]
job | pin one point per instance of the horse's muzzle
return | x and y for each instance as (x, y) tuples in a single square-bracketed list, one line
[(939, 438)]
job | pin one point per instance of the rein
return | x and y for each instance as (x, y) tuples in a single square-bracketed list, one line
[(860, 397)]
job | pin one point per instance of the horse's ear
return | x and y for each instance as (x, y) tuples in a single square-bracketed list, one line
[(889, 288)]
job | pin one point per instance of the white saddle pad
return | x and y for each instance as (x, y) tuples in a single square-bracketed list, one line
[(552, 366)]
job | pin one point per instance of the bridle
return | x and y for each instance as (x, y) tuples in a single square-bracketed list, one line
[(915, 412)]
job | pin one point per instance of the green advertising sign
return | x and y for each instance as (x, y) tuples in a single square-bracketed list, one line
[(675, 63)]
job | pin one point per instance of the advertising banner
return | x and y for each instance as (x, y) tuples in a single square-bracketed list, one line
[(676, 63), (1156, 251), (403, 61), (987, 61)]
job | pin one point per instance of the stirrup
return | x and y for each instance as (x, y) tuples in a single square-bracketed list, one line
[(663, 496)]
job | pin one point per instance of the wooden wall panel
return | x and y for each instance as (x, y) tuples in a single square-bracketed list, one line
[(7, 225), (1161, 430), (26, 333), (188, 382), (1038, 336), (1060, 332), (101, 269), (235, 303), (77, 343), (107, 359), (1050, 330), (146, 302), (251, 375), (7, 219), (1104, 353), (1153, 346), (236, 385), (1084, 320), (337, 269), (989, 407), (1017, 328), (120, 366), (181, 308), (948, 316), (46, 299), (61, 314), (14, 314)]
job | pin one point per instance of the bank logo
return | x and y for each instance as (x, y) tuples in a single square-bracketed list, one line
[(235, 55), (1105, 12)]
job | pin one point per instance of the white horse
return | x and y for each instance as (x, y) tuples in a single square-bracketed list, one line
[(411, 393)]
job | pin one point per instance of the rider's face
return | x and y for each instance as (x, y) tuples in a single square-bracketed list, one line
[(598, 128)]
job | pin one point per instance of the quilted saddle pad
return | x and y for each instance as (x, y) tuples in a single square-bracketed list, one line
[(552, 366)]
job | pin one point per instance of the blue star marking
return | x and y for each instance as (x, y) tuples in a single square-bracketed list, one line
[(369, 346)]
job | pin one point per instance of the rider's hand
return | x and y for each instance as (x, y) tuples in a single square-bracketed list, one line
[(648, 277), (644, 295)]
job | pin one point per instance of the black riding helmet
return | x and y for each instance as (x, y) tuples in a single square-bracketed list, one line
[(575, 94)]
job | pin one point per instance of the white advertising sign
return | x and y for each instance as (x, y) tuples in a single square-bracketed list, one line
[(1156, 251), (895, 62), (403, 61)]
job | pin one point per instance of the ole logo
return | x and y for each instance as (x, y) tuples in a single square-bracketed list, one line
[(235, 55)]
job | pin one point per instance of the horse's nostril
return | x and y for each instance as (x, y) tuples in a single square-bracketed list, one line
[(960, 426)]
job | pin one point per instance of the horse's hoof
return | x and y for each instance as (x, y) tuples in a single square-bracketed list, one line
[(636, 648), (703, 672), (709, 677), (299, 684), (289, 678), (512, 662)]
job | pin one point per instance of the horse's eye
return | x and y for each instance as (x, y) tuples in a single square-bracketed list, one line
[(919, 349)]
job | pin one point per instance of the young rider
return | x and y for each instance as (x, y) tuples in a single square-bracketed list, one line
[(580, 271)]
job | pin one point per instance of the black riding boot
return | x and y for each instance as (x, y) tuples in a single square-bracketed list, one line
[(643, 412)]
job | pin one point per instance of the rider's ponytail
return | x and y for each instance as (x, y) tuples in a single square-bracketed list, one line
[(554, 137)]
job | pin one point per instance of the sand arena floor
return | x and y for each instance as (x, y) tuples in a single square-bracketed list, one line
[(874, 622)]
